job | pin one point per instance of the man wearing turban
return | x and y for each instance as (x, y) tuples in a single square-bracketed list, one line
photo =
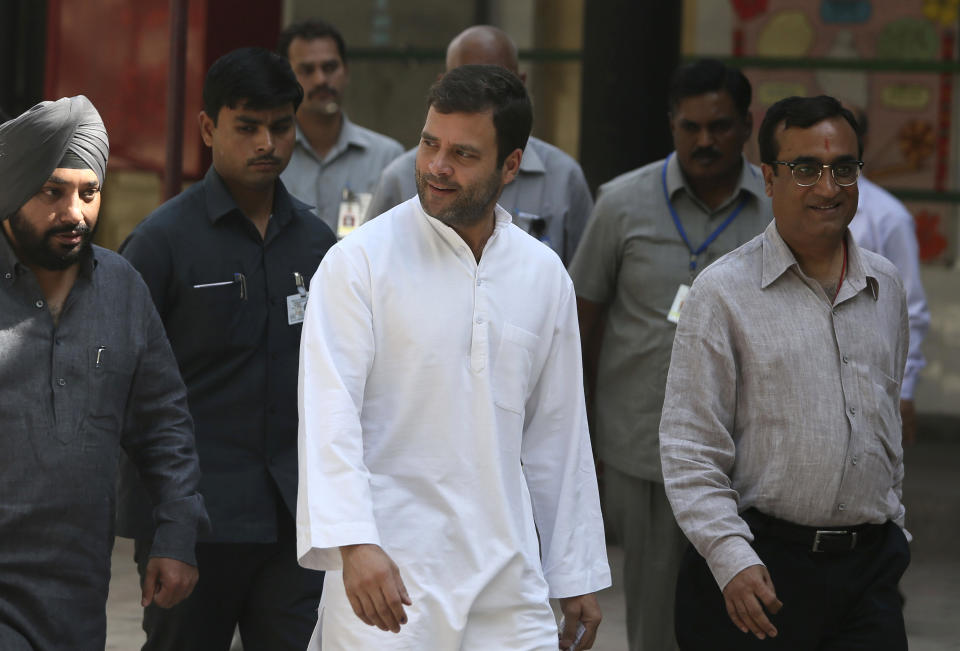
[(85, 370)]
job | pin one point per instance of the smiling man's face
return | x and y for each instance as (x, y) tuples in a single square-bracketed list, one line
[(458, 179), (815, 215)]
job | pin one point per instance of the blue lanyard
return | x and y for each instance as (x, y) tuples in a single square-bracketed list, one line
[(679, 225)]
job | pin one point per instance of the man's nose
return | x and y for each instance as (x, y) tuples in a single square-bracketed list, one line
[(826, 184), (74, 210), (439, 165), (265, 142), (704, 138)]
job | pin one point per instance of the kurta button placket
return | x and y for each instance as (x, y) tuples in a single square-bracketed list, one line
[(39, 303)]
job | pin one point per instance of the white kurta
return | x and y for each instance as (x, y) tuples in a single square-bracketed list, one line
[(442, 418)]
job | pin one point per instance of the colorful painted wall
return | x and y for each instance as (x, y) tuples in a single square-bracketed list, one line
[(895, 59)]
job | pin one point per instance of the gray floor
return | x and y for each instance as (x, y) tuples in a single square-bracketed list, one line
[(932, 583)]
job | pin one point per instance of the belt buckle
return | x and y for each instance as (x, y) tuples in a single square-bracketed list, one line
[(823, 536)]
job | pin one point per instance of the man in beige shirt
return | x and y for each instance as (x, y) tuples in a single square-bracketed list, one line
[(780, 435)]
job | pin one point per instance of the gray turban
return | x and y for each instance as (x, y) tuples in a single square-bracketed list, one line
[(41, 140)]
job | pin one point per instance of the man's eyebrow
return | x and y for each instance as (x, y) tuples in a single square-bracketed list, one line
[(285, 120), (247, 119), (56, 180), (426, 135)]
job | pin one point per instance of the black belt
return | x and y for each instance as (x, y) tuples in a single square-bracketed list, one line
[(816, 539)]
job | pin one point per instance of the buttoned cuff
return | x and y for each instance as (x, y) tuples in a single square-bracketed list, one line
[(178, 524), (730, 557), (910, 375)]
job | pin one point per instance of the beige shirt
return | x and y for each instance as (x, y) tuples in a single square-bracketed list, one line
[(777, 399), (633, 260)]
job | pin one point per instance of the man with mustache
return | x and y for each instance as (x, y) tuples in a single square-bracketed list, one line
[(447, 484), (228, 262), (549, 198), (652, 231), (780, 434), (85, 371), (335, 163)]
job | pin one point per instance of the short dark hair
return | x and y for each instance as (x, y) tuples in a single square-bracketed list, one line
[(253, 77), (478, 88), (309, 30), (708, 76), (802, 112)]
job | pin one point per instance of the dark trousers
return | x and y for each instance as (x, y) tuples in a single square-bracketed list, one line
[(832, 601), (259, 587)]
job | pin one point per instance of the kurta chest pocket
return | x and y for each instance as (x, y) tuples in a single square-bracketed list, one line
[(512, 368), (111, 376)]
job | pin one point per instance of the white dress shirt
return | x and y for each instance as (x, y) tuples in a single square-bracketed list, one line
[(442, 418), (883, 225)]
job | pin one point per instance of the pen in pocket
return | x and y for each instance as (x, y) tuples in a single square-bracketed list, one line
[(238, 278)]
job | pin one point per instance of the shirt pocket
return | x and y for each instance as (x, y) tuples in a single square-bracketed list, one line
[(111, 377), (511, 371)]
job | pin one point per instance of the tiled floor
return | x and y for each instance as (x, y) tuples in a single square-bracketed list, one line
[(932, 584)]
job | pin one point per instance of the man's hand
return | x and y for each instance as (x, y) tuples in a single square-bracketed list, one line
[(374, 587), (746, 595), (908, 416), (583, 609), (167, 582)]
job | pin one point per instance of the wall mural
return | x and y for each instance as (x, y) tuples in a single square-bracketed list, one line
[(910, 113)]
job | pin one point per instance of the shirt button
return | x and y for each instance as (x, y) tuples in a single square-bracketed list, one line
[(61, 382), (845, 360), (479, 320), (479, 282), (841, 507), (854, 461), (834, 310), (56, 342), (8, 275), (853, 411), (39, 303)]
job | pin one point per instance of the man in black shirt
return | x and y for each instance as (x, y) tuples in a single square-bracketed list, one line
[(228, 262)]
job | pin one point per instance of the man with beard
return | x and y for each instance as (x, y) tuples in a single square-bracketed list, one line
[(85, 370), (442, 423), (549, 198), (228, 262), (335, 163), (781, 428), (652, 231)]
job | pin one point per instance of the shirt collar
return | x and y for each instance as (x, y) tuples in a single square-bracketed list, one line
[(531, 163), (220, 203), (502, 217), (778, 258), (749, 181), (350, 136)]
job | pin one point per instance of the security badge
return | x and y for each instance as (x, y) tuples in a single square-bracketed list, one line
[(673, 316), (353, 206), (297, 303)]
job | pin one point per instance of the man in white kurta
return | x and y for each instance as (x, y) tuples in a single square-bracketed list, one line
[(442, 419)]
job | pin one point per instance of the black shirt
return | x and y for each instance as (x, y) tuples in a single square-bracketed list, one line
[(221, 291)]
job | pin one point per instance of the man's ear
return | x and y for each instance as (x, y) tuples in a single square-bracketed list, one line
[(767, 178), (206, 128), (511, 165)]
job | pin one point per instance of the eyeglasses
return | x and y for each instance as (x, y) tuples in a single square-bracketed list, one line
[(808, 174)]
